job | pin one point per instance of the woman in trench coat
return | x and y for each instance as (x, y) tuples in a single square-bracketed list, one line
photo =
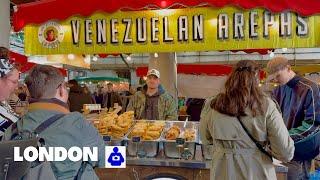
[(235, 155)]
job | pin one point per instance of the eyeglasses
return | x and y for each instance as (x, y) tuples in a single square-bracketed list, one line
[(63, 84)]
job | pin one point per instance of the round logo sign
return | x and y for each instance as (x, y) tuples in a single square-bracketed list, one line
[(50, 34)]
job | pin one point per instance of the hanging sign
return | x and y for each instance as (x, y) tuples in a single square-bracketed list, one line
[(173, 30)]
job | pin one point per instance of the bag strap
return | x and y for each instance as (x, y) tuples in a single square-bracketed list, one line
[(81, 170), (44, 125), (259, 146)]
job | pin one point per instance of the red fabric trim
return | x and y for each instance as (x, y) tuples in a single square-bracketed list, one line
[(210, 69), (42, 11), (18, 58), (141, 71), (215, 70), (23, 65), (26, 67), (249, 51)]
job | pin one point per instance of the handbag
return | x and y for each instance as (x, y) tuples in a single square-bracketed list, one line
[(259, 146)]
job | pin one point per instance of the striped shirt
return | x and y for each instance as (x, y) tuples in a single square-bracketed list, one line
[(7, 117)]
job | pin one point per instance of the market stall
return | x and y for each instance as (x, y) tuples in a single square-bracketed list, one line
[(163, 26), (164, 150)]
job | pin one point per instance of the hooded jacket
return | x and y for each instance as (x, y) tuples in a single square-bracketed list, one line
[(167, 105)]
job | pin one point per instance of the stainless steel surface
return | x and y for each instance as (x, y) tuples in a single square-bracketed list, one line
[(197, 163), (115, 142), (171, 149), (148, 147), (169, 163)]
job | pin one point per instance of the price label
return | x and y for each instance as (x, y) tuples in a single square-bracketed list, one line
[(136, 139), (180, 141), (107, 138)]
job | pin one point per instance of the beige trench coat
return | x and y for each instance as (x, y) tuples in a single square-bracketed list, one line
[(235, 156)]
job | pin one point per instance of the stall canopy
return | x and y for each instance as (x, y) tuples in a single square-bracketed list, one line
[(100, 79), (21, 61), (44, 10), (199, 69), (130, 26)]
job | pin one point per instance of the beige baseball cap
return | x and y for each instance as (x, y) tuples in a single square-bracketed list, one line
[(154, 72)]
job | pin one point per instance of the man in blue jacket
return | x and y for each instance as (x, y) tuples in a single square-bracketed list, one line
[(299, 101)]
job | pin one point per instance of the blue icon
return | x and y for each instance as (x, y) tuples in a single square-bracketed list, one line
[(115, 158)]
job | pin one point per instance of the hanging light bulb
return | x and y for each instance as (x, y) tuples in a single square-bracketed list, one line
[(87, 59), (94, 58), (272, 54), (156, 55), (128, 58), (71, 56)]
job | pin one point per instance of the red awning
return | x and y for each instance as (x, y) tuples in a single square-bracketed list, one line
[(208, 69), (18, 58), (260, 51), (23, 65), (198, 69), (44, 10)]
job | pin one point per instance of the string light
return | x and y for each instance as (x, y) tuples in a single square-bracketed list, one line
[(272, 54), (94, 58), (87, 59), (71, 56)]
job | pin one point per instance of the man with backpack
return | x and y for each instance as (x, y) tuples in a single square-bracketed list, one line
[(299, 101), (49, 96)]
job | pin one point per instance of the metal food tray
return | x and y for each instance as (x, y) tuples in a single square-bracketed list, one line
[(109, 140), (170, 147), (147, 148)]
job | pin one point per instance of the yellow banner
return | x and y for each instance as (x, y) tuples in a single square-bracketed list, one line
[(173, 30)]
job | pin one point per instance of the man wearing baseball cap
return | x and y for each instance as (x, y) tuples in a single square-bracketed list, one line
[(299, 101), (153, 102)]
